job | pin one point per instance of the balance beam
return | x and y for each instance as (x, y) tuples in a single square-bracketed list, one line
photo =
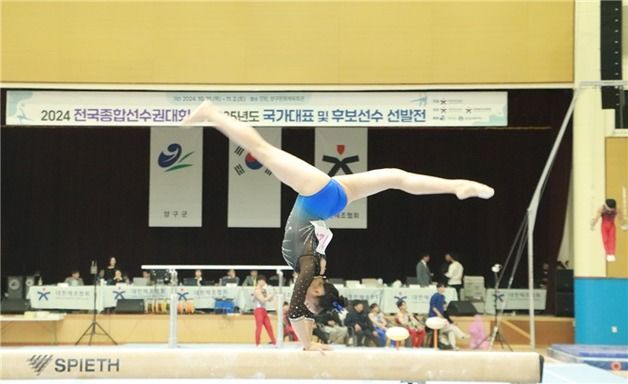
[(216, 362)]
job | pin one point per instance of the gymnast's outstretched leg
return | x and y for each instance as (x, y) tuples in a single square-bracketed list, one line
[(306, 179), (301, 176), (361, 185)]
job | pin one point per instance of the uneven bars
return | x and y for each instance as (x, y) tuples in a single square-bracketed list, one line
[(536, 197)]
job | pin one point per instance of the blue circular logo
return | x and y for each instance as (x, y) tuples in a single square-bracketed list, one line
[(169, 157)]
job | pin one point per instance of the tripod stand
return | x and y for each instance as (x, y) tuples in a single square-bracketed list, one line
[(495, 333), (91, 329)]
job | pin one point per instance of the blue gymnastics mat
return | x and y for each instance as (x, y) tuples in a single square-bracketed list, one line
[(610, 357)]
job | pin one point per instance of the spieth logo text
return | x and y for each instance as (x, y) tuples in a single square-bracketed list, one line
[(69, 365)]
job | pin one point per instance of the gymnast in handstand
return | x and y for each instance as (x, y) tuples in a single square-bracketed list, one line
[(320, 198)]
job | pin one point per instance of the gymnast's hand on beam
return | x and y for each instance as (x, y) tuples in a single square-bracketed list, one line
[(319, 347)]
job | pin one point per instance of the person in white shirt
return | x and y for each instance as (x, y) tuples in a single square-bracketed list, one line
[(454, 273)]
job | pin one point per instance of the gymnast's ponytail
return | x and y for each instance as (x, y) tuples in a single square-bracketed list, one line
[(332, 300)]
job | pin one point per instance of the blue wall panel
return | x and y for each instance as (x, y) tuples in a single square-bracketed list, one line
[(601, 306)]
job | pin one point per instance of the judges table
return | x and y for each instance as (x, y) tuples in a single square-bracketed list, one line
[(204, 297)]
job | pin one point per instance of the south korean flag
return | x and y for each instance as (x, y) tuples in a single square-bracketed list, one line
[(254, 194)]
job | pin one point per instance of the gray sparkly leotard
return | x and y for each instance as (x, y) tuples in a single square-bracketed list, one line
[(300, 246)]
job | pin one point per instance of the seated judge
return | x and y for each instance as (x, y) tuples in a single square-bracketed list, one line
[(74, 279), (230, 278), (119, 278), (198, 276), (251, 279)]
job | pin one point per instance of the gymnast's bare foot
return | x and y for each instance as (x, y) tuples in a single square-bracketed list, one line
[(470, 188), (200, 114)]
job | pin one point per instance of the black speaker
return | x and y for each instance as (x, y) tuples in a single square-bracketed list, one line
[(461, 308), (130, 306), (15, 287), (564, 280), (15, 306), (564, 304)]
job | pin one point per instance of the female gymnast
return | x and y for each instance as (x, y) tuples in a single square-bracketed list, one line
[(321, 197)]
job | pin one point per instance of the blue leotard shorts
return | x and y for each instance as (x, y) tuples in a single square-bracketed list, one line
[(326, 203)]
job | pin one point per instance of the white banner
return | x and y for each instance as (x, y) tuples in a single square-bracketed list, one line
[(513, 299), (54, 297), (176, 177), (343, 152), (254, 193), (278, 109)]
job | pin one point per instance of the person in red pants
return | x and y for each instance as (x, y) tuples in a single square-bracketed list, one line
[(261, 297), (406, 320), (607, 212), (287, 327)]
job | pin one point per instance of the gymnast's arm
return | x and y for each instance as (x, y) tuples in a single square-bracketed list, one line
[(260, 296), (301, 318)]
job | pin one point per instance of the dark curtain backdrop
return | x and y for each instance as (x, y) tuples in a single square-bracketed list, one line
[(70, 195)]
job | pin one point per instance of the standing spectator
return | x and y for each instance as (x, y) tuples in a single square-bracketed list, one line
[(423, 273), (261, 315), (362, 328), (379, 322), (330, 323), (230, 278), (251, 279), (454, 273), (287, 326), (406, 320), (478, 339), (442, 272), (110, 270), (438, 307), (74, 279)]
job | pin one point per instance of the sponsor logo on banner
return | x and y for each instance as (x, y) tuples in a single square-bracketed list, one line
[(340, 163), (171, 159), (344, 152), (176, 177), (254, 194), (38, 364), (43, 295)]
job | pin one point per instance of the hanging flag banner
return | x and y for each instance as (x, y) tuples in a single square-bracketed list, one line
[(176, 177), (269, 109), (254, 193), (343, 152)]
